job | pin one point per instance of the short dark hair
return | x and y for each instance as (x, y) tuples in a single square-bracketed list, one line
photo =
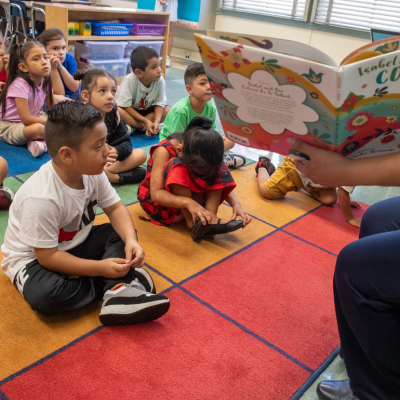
[(49, 35), (192, 72), (68, 124), (140, 57)]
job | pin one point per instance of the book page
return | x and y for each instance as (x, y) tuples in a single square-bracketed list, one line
[(264, 97), (288, 47)]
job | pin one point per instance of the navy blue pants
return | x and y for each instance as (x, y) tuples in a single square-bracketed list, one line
[(367, 301)]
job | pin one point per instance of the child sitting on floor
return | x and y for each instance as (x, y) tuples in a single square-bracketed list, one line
[(63, 65), (197, 104), (28, 86), (98, 90), (50, 237), (192, 186), (276, 183), (6, 195), (141, 97)]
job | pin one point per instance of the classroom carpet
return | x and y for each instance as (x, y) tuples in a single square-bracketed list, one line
[(251, 317)]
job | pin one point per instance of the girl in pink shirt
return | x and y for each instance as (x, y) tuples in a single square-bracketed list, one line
[(28, 86)]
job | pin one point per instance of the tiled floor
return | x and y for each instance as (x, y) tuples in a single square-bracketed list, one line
[(176, 91)]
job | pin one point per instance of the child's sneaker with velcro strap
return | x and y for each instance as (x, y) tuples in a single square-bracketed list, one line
[(265, 162), (131, 304)]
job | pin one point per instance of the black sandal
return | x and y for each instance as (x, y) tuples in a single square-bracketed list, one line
[(199, 230), (219, 229)]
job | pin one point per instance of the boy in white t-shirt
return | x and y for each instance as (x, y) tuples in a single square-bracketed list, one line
[(141, 98), (53, 254)]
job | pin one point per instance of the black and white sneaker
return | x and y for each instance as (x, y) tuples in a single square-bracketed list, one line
[(233, 160), (143, 277), (131, 304)]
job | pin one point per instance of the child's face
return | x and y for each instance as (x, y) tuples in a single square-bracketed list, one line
[(200, 88), (102, 97), (152, 73), (36, 63), (91, 158), (57, 48)]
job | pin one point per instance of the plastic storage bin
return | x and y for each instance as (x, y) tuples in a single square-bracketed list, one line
[(100, 50), (154, 44), (110, 29), (144, 27), (116, 68)]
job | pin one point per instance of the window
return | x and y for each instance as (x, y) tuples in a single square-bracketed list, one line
[(359, 14), (292, 9)]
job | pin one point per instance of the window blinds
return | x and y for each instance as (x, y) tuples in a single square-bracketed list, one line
[(293, 9), (359, 14)]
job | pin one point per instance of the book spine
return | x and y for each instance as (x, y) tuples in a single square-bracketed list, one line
[(337, 105)]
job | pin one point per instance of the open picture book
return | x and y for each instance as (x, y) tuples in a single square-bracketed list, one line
[(267, 90)]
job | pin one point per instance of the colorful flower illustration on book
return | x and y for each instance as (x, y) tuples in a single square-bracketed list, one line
[(314, 95), (320, 139), (290, 79), (391, 119), (358, 120), (349, 104), (270, 65), (228, 111), (313, 77), (217, 89), (219, 62), (387, 139), (246, 129), (235, 56), (388, 47)]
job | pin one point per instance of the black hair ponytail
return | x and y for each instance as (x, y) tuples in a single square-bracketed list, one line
[(203, 149)]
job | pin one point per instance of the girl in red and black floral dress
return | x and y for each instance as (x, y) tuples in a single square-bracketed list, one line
[(187, 179)]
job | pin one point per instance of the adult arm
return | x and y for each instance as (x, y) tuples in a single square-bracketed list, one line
[(332, 170)]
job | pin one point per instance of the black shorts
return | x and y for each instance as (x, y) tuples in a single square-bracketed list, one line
[(149, 110)]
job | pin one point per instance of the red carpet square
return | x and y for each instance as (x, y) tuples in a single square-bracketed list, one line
[(190, 353), (327, 228), (281, 289)]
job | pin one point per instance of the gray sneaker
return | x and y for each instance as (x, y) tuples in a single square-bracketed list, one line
[(131, 304), (233, 160)]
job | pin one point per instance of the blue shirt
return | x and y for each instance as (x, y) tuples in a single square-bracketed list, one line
[(70, 65)]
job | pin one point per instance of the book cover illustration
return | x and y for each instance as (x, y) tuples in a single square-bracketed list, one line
[(264, 97)]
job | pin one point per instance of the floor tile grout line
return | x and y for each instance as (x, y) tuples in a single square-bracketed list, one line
[(301, 216), (306, 241), (3, 396), (247, 330), (49, 356), (65, 347), (225, 258), (307, 384)]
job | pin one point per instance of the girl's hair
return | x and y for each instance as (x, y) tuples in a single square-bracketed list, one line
[(89, 78), (49, 35), (203, 149), (18, 54)]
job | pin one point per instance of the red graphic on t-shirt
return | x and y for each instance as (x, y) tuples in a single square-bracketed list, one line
[(143, 103)]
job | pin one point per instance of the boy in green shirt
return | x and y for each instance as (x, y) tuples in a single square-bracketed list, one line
[(197, 104)]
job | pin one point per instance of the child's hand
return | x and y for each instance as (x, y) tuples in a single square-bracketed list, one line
[(355, 221), (200, 212), (162, 2), (54, 61), (149, 128), (355, 203), (134, 254), (112, 156), (238, 211), (113, 267)]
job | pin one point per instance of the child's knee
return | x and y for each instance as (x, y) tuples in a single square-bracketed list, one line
[(140, 155), (328, 199), (166, 111)]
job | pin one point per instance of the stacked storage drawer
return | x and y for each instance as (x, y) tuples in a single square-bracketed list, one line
[(108, 56), (154, 44)]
